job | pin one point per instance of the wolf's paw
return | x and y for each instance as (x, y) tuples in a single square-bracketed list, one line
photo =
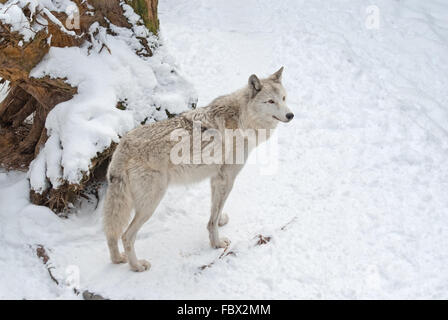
[(223, 219), (122, 258), (222, 243), (142, 265)]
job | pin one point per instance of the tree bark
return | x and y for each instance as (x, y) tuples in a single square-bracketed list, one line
[(24, 110)]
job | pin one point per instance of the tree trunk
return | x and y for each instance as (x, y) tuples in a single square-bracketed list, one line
[(24, 110)]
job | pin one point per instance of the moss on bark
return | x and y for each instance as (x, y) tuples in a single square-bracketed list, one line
[(147, 9)]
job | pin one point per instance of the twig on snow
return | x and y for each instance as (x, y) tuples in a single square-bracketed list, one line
[(225, 253), (42, 254)]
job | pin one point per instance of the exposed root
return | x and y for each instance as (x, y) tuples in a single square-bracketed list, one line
[(60, 199), (20, 140), (10, 138), (42, 254)]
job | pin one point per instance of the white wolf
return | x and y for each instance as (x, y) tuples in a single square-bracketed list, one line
[(141, 168)]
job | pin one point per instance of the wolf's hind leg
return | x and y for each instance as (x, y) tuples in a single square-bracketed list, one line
[(129, 239), (148, 188), (117, 209), (115, 255)]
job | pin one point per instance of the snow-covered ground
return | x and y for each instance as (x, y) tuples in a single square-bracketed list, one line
[(358, 207)]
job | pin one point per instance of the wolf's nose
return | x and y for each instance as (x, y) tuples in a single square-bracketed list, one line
[(289, 116)]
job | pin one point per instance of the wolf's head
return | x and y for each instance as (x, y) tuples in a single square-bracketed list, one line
[(268, 98)]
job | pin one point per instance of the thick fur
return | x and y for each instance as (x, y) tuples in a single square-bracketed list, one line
[(141, 169)]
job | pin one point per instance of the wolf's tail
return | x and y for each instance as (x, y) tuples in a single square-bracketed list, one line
[(118, 203)]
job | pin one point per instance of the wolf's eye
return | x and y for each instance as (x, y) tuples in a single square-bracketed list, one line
[(271, 101)]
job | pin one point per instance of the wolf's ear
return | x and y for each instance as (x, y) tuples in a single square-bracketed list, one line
[(277, 76), (254, 85)]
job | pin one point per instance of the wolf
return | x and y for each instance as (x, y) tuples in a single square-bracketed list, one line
[(141, 168)]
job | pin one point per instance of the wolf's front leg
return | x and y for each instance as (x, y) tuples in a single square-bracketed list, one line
[(221, 184)]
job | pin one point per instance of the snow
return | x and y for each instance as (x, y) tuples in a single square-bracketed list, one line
[(4, 87), (17, 20), (11, 14), (357, 208)]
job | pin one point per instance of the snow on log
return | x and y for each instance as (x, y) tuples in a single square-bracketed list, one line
[(80, 74)]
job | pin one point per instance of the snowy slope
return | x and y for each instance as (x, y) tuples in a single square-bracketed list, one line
[(361, 180)]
